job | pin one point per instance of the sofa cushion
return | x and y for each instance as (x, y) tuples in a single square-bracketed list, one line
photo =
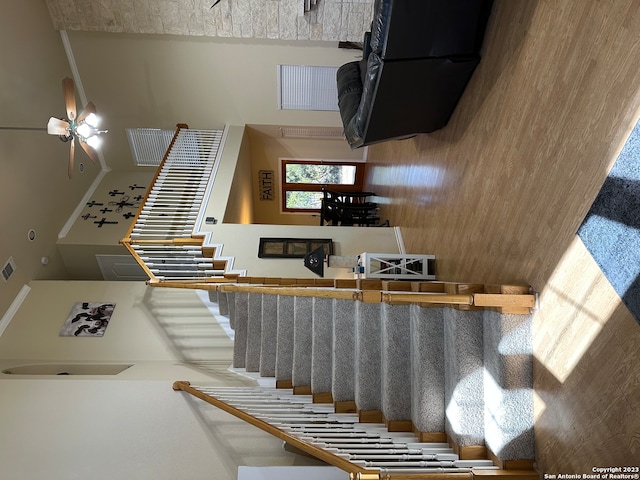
[(355, 122), (349, 94)]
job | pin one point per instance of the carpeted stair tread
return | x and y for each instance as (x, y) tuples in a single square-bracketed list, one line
[(223, 303), (427, 369), (322, 345), (213, 296), (368, 395), (254, 332), (302, 341), (344, 341), (464, 378), (508, 385), (231, 301), (467, 373), (241, 318), (284, 347), (396, 362), (269, 335)]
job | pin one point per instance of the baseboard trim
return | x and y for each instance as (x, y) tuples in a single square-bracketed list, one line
[(13, 308)]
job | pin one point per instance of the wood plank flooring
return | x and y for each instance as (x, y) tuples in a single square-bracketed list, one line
[(499, 193)]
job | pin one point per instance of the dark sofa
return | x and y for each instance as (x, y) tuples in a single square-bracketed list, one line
[(418, 59)]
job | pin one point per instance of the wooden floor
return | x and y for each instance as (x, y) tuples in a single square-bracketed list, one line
[(499, 193)]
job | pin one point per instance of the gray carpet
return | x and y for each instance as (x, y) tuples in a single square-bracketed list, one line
[(322, 345), (284, 349), (464, 381), (427, 369), (302, 341), (344, 345), (254, 332), (508, 385), (611, 229), (396, 362), (241, 316), (269, 342), (368, 362), (466, 373)]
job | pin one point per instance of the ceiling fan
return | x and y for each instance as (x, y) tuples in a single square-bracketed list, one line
[(77, 126)]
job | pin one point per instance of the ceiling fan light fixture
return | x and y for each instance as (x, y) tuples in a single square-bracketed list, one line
[(92, 120), (81, 127), (83, 130), (94, 141)]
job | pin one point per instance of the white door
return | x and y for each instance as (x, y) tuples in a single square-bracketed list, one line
[(120, 267)]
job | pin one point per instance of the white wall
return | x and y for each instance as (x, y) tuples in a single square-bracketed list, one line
[(242, 242), (61, 429)]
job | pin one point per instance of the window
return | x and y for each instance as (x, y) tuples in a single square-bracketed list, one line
[(302, 87), (303, 181)]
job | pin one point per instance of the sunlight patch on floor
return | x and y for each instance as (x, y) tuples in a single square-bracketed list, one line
[(577, 302)]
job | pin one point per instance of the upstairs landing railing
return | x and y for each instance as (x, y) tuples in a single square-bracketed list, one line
[(161, 235)]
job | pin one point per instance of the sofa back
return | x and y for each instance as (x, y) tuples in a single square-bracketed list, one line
[(406, 29)]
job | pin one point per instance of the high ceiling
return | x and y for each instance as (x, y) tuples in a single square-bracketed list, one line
[(135, 80), (36, 193)]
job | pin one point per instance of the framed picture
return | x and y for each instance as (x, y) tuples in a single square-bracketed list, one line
[(292, 247), (88, 319)]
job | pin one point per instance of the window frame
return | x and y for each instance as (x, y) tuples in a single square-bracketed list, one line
[(316, 187)]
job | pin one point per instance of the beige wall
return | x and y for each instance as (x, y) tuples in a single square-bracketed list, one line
[(35, 190), (239, 201), (85, 239), (160, 80), (132, 425), (33, 332), (268, 147), (242, 241)]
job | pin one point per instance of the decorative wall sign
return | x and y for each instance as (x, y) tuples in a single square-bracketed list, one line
[(265, 184), (88, 319), (292, 247)]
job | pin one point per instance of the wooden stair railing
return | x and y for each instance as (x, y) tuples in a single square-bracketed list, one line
[(365, 451), (161, 237), (516, 299)]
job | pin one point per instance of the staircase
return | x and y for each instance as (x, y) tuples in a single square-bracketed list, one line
[(394, 387)]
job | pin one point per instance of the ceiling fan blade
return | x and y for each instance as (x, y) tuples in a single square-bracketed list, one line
[(71, 153), (88, 108), (69, 97), (90, 151), (57, 126)]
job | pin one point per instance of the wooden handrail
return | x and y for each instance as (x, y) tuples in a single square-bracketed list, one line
[(504, 298), (179, 127), (356, 472), (127, 244), (312, 450)]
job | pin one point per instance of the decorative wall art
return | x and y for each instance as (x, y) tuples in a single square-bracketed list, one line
[(121, 203), (88, 319)]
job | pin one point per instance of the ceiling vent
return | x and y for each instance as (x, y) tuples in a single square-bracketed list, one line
[(8, 269), (335, 133)]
